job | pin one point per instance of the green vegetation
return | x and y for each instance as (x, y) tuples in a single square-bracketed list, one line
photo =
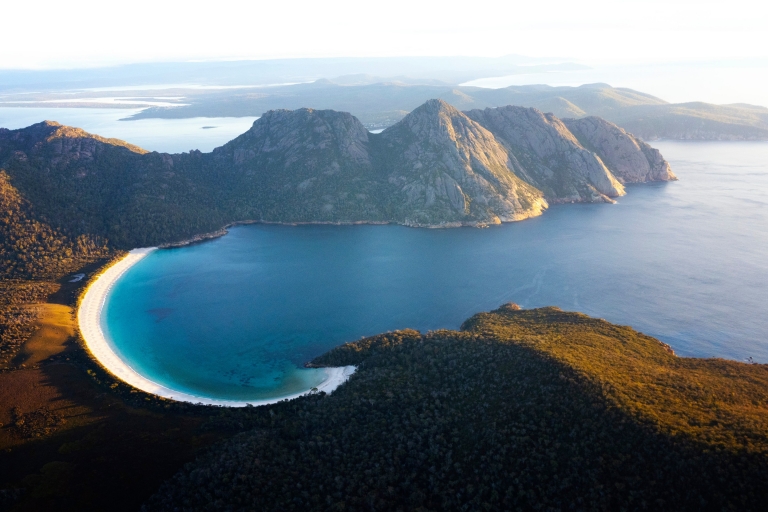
[(539, 409), (32, 248), (32, 254)]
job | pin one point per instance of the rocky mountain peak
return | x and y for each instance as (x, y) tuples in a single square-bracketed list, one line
[(305, 132), (47, 134), (552, 158), (437, 167), (448, 166)]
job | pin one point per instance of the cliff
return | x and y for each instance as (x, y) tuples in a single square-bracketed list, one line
[(448, 169), (551, 157), (630, 159)]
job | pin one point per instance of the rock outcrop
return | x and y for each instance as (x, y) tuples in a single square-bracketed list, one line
[(449, 170), (552, 158), (630, 159)]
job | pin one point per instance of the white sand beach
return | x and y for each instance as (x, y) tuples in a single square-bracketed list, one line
[(89, 321)]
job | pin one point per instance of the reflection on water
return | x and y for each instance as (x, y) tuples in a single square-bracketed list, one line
[(686, 262)]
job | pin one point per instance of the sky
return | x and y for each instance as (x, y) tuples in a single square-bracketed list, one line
[(84, 33)]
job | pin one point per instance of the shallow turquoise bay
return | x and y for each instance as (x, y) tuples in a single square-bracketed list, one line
[(236, 317)]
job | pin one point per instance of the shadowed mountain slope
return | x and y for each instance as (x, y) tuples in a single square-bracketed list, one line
[(30, 247)]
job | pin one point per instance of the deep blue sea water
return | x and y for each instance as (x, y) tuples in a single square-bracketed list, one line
[(236, 317)]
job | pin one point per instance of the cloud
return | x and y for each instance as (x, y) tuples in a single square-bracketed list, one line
[(86, 32)]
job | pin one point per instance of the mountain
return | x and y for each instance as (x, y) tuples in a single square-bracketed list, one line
[(553, 159), (436, 167), (85, 184), (30, 247), (630, 159), (382, 104), (446, 166)]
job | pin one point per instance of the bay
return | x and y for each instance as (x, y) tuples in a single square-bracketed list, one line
[(236, 317)]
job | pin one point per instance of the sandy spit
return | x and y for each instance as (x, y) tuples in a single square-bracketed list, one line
[(89, 321)]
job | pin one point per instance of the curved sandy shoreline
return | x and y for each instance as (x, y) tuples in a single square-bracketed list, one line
[(89, 322)]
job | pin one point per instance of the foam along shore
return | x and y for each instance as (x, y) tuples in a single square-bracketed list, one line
[(89, 321)]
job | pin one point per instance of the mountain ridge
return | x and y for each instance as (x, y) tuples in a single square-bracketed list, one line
[(437, 167), (381, 104)]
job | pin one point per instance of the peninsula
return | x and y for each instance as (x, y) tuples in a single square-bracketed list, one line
[(437, 167)]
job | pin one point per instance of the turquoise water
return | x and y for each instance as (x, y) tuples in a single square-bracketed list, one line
[(236, 317)]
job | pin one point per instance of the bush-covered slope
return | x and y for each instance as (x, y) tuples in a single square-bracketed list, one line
[(539, 409), (30, 247), (84, 184)]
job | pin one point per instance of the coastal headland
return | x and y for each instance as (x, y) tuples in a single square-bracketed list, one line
[(89, 321)]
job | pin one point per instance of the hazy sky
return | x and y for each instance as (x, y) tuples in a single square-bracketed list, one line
[(75, 33)]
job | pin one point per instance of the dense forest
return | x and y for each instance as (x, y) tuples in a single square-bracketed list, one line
[(31, 248), (520, 410), (32, 254)]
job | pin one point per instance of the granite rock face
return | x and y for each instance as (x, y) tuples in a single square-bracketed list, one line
[(449, 170), (551, 158), (630, 159)]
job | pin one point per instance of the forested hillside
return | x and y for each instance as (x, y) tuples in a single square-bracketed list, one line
[(538, 409), (31, 248)]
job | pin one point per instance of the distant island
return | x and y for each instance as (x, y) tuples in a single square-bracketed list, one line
[(437, 167)]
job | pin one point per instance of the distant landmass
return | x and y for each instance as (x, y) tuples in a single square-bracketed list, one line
[(432, 69), (437, 167), (381, 104)]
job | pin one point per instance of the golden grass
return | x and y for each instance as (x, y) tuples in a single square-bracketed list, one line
[(55, 324), (714, 401)]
